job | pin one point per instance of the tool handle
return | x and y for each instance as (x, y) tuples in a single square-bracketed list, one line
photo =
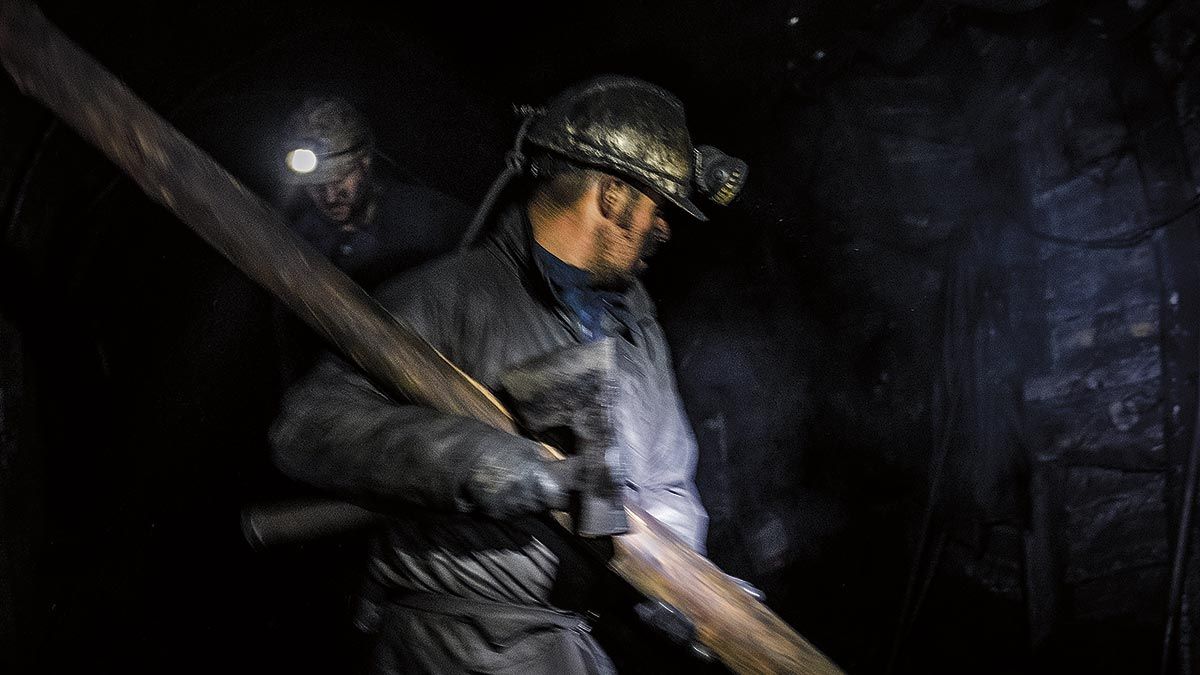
[(300, 520)]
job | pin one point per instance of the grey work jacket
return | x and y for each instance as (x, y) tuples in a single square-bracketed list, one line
[(487, 309)]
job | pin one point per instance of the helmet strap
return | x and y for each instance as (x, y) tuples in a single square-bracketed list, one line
[(515, 164)]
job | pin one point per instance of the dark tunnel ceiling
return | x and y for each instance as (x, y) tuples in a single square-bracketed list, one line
[(729, 57)]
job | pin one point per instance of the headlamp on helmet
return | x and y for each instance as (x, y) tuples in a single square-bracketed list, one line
[(328, 136), (302, 160), (719, 176)]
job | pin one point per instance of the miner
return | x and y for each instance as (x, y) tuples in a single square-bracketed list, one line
[(475, 576), (348, 204), (351, 206)]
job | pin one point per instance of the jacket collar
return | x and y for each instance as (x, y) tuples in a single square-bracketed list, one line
[(513, 237)]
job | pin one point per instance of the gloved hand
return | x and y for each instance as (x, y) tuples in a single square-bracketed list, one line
[(672, 624), (503, 486)]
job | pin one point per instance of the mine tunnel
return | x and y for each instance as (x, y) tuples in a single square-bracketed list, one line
[(940, 356)]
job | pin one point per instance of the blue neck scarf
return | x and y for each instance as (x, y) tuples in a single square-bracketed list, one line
[(573, 287)]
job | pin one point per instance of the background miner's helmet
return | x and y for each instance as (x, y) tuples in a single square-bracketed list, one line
[(624, 126), (327, 137)]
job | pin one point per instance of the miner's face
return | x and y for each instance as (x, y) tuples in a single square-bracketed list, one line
[(340, 199), (636, 226)]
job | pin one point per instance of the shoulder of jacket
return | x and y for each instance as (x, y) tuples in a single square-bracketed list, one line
[(449, 277), (640, 302), (412, 194)]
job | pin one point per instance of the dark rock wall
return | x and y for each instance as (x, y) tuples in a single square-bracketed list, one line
[(1005, 279), (1095, 400)]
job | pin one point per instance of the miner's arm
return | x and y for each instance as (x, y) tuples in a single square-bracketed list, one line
[(339, 432)]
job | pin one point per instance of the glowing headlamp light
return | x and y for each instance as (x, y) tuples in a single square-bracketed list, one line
[(302, 160)]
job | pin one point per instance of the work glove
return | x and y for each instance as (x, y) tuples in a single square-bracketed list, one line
[(504, 485), (673, 625)]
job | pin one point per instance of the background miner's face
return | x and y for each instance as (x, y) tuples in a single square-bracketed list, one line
[(341, 198)]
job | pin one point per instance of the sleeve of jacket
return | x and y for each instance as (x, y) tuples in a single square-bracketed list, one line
[(668, 490), (670, 495), (337, 431)]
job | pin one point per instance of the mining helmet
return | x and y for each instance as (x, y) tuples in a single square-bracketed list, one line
[(624, 126), (327, 137)]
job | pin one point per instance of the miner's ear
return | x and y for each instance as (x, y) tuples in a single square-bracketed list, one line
[(611, 195)]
